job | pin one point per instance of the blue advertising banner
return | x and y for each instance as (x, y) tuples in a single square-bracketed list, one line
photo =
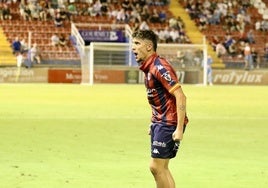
[(102, 36)]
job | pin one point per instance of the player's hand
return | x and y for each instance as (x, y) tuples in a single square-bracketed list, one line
[(149, 131), (177, 136)]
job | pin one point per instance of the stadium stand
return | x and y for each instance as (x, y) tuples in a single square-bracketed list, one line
[(193, 27), (245, 14)]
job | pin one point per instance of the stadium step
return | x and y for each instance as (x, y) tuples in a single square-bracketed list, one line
[(193, 32), (6, 56)]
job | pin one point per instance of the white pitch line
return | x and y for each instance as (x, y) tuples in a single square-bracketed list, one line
[(132, 117)]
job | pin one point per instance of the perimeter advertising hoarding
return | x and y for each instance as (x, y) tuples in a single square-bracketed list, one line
[(102, 36), (23, 75), (240, 77), (64, 76), (109, 76)]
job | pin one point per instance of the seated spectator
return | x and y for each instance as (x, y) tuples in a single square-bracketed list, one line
[(43, 13), (174, 35), (242, 36), (220, 50), (62, 40), (162, 16), (58, 21), (55, 41), (26, 14), (229, 40), (24, 46), (6, 12), (250, 37), (154, 18), (34, 10), (34, 55), (96, 8), (84, 10), (144, 25), (16, 45), (232, 50), (72, 10), (202, 23), (266, 52), (215, 40), (258, 25)]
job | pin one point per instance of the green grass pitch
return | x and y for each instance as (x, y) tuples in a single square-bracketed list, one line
[(77, 136)]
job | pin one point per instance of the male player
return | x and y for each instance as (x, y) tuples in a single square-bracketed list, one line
[(168, 104)]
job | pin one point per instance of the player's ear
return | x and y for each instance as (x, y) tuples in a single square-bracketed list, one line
[(149, 46)]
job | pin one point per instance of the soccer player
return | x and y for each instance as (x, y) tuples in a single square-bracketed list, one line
[(168, 104)]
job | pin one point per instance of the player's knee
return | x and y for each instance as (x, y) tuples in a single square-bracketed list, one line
[(154, 168)]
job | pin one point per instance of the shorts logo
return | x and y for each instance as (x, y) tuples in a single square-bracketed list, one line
[(160, 144), (155, 151)]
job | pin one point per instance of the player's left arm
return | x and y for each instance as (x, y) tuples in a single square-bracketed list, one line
[(181, 113)]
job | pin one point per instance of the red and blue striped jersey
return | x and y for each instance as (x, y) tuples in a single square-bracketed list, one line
[(161, 81)]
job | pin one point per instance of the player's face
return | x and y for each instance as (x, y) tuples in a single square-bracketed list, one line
[(141, 49)]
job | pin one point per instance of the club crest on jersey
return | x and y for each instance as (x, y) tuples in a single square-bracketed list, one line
[(167, 76)]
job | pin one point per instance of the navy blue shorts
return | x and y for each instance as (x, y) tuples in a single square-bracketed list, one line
[(162, 144)]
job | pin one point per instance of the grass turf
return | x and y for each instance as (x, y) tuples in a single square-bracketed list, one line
[(96, 137)]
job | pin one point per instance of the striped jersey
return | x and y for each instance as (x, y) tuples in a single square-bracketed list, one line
[(160, 81)]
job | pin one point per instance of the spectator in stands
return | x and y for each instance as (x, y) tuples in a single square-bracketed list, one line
[(126, 5), (162, 16), (96, 8), (232, 50), (34, 54), (174, 35), (162, 35), (62, 40), (20, 59), (144, 25), (1, 12), (202, 23), (242, 36), (209, 70), (58, 20), (215, 40), (258, 25), (43, 12), (72, 10), (6, 12), (215, 17), (34, 10), (154, 18), (228, 41), (145, 15), (84, 10), (250, 37), (255, 58), (264, 25), (24, 46), (55, 41), (121, 16), (266, 52), (240, 49), (248, 57), (16, 45), (220, 50)]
